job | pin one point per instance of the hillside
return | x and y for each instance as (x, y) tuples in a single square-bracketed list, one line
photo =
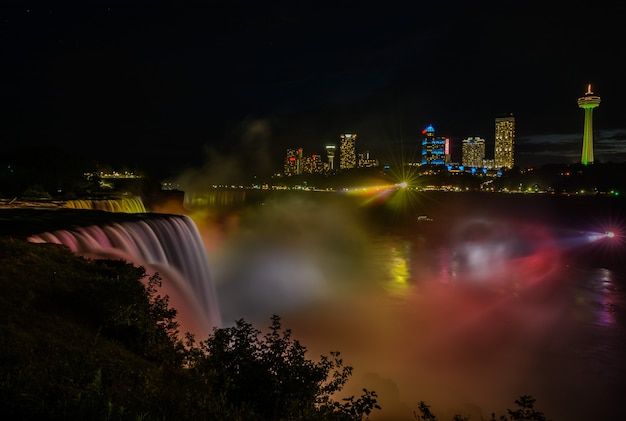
[(78, 336), (89, 339)]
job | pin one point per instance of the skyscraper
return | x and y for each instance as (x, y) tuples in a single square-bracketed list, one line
[(473, 152), (330, 153), (347, 154), (435, 150), (505, 142), (293, 162), (588, 102)]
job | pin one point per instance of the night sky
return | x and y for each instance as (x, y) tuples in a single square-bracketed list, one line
[(169, 85)]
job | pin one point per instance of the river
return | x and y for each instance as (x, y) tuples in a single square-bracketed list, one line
[(477, 302)]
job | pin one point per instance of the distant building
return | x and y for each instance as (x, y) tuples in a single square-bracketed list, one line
[(473, 152), (365, 161), (488, 163), (435, 150), (588, 102), (505, 142), (293, 162), (296, 163), (330, 153), (313, 164), (347, 154)]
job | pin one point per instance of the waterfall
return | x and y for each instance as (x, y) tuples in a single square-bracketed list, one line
[(126, 205), (167, 244)]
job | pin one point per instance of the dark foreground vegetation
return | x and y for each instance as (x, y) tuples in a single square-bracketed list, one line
[(93, 340)]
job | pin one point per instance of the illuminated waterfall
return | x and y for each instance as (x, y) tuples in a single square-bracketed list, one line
[(168, 244), (126, 205)]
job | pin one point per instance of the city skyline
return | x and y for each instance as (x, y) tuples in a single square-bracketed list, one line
[(206, 83)]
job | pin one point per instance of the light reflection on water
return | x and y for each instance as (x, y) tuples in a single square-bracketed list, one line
[(557, 332), (608, 295), (425, 335), (423, 320)]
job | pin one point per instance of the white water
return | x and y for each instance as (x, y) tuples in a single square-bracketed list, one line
[(169, 245), (126, 205)]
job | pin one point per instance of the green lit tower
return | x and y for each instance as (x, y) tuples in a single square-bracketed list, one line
[(588, 102)]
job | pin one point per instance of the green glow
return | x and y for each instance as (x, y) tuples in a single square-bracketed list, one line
[(588, 103), (587, 153)]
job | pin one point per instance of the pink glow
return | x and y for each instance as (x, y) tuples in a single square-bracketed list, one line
[(463, 339), (417, 321), (170, 246)]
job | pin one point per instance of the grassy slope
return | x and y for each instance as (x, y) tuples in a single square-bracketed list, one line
[(65, 348)]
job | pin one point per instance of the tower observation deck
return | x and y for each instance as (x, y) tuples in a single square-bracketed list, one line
[(588, 102)]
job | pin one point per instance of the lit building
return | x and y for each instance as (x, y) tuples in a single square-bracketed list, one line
[(347, 155), (293, 162), (330, 153), (473, 152), (312, 164), (505, 142), (588, 102), (435, 150), (365, 161)]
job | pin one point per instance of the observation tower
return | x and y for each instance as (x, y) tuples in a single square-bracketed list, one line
[(588, 102)]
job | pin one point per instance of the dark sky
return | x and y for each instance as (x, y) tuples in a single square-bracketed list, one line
[(171, 84)]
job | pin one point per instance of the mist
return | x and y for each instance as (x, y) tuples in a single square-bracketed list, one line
[(411, 307), (416, 319)]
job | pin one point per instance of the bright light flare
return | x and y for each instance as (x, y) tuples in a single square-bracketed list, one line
[(603, 235), (607, 240), (502, 254), (377, 194), (595, 236)]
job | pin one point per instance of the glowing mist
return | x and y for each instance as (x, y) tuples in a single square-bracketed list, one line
[(417, 319), (169, 245)]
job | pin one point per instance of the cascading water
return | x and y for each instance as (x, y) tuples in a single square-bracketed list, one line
[(167, 244), (126, 205)]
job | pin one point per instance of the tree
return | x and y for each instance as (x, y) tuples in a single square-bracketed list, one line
[(272, 378), (525, 412)]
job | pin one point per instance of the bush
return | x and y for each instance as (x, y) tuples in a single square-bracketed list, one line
[(525, 412), (272, 378), (92, 339)]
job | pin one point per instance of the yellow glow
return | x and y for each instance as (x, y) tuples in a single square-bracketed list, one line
[(399, 271)]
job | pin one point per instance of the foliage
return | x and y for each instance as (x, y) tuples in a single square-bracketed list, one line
[(78, 338), (525, 412), (36, 191), (272, 376), (92, 339)]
